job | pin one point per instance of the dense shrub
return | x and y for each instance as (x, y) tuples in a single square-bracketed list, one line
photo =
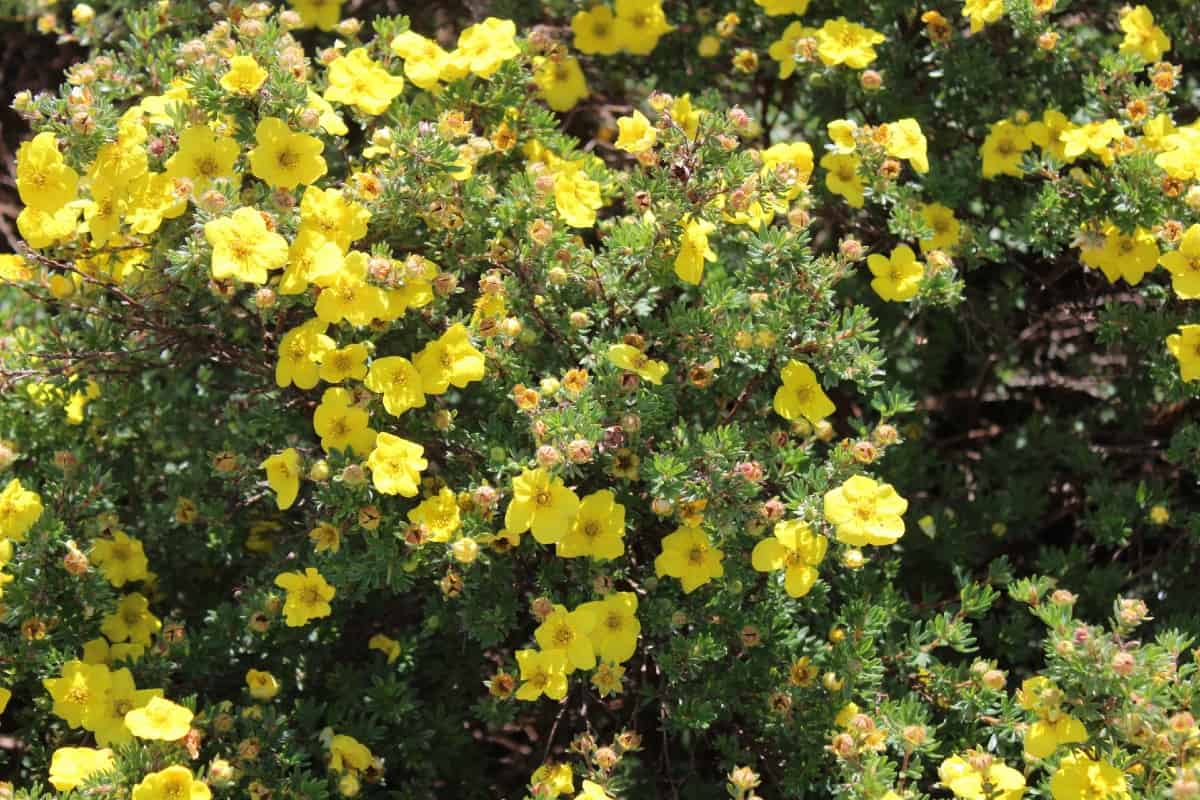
[(766, 398)]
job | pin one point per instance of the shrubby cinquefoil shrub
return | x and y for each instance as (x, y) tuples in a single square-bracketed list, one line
[(556, 406)]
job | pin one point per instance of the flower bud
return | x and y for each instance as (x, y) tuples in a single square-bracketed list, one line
[(75, 561), (348, 27), (870, 80), (548, 456), (743, 779), (1123, 663), (579, 451), (83, 14), (993, 679), (465, 550)]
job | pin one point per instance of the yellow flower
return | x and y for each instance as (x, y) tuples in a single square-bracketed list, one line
[(593, 791), (243, 248), (345, 363), (1045, 736), (1124, 255), (1094, 138), (775, 8), (386, 645), (131, 620), (1180, 159), (897, 278), (1081, 778), (617, 628), (342, 425), (560, 81), (557, 779), (323, 14), (325, 537), (14, 268), (44, 181), (159, 719), (842, 177), (569, 632), (791, 163), (541, 504), (607, 679), (798, 42), (906, 141), (640, 24), (348, 754), (801, 395), (202, 158), (1185, 346), (796, 550), (982, 12), (629, 358), (77, 689), (598, 530), (1142, 36), (300, 353), (450, 360), (105, 717), (308, 596), (347, 295), (840, 41), (694, 250), (329, 120), (685, 116), (398, 381), (19, 510), (636, 134), (1003, 149), (966, 781), (438, 515), (336, 219), (595, 31), (396, 465), (577, 198), (121, 559), (708, 47), (947, 232), (262, 685), (424, 59), (71, 766), (483, 48), (283, 476), (172, 783), (284, 159), (689, 555), (5, 696), (543, 673), (245, 76), (866, 512), (356, 80)]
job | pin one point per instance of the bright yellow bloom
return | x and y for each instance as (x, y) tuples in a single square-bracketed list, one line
[(791, 163), (396, 465), (866, 512), (617, 627), (557, 779), (1185, 346), (629, 358), (1048, 132), (325, 537), (796, 550), (560, 81), (598, 531), (203, 157), (640, 24), (329, 120), (336, 219), (595, 31), (543, 673), (1142, 36), (801, 394), (308, 596), (897, 278), (105, 717), (906, 141), (842, 177), (694, 250), (541, 504), (20, 508), (1094, 138), (438, 515), (98, 651), (262, 685), (284, 159), (450, 360), (775, 8), (982, 12), (159, 719), (283, 476), (577, 198), (356, 80), (386, 645), (635, 133), (842, 133), (44, 181), (841, 42), (569, 631), (593, 791), (172, 783), (300, 353), (1081, 778), (71, 766), (1180, 157), (685, 116), (131, 620), (1003, 149), (798, 42), (398, 381), (345, 363), (483, 48), (689, 555), (121, 559), (323, 14), (960, 777), (424, 59), (1124, 255), (947, 232), (1045, 736), (5, 696), (77, 689), (244, 248), (342, 425), (348, 754), (244, 77), (15, 268), (347, 295)]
